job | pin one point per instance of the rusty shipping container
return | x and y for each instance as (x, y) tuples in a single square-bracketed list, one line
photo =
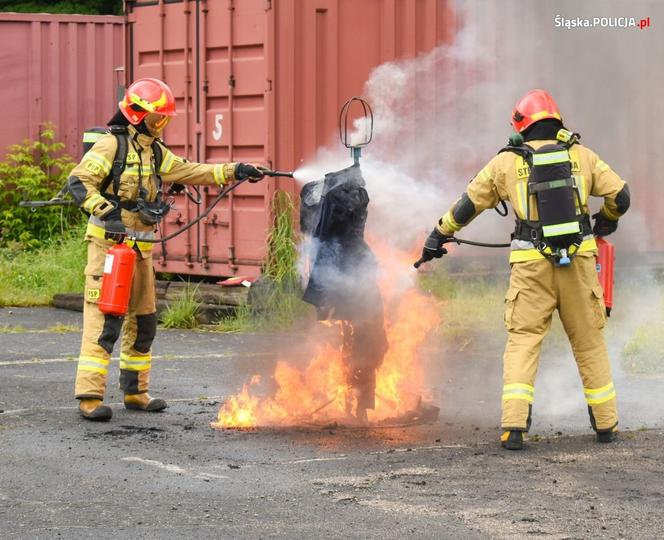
[(261, 81), (59, 69)]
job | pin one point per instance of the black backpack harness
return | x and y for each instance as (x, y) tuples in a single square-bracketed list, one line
[(559, 230), (150, 213)]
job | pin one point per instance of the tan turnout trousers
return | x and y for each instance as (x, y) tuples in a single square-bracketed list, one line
[(100, 332), (537, 288)]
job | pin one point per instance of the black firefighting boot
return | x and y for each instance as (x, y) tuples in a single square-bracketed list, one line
[(512, 440), (93, 409), (607, 436), (143, 402)]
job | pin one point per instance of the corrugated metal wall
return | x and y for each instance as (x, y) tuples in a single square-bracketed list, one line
[(222, 94), (59, 69), (262, 80), (326, 50)]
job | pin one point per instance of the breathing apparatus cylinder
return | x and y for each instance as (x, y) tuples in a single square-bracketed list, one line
[(605, 261), (116, 280)]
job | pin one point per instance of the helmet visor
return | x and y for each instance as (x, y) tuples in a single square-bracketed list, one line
[(156, 123)]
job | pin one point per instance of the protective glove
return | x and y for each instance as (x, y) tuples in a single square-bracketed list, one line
[(603, 225), (433, 247), (244, 170), (114, 229)]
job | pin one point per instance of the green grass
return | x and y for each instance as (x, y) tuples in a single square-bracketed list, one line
[(637, 320), (181, 313), (61, 328), (470, 307), (58, 328), (240, 321), (31, 278), (13, 329), (281, 264), (472, 311), (644, 352)]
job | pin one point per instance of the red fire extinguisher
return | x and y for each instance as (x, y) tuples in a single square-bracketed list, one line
[(605, 259), (116, 281)]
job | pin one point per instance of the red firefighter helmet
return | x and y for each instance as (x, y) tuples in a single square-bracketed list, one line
[(146, 96), (535, 105)]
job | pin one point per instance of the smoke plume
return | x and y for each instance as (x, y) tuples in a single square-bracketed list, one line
[(441, 116)]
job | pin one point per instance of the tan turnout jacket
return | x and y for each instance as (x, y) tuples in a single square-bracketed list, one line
[(87, 177), (505, 178)]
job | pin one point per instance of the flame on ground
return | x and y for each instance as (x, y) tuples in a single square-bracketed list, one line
[(320, 393)]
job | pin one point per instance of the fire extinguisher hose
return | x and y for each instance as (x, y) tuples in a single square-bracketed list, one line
[(462, 241), (480, 244), (209, 209)]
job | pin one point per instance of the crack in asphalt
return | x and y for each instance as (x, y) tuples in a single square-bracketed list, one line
[(176, 469)]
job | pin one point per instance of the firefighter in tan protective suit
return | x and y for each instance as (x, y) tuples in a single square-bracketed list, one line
[(124, 200), (547, 177)]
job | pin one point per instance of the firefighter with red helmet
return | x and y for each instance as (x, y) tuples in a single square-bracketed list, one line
[(548, 177), (118, 182)]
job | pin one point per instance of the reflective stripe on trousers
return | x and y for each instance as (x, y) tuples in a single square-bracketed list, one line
[(597, 396), (519, 391), (94, 364), (135, 363)]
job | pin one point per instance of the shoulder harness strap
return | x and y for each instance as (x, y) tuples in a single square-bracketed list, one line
[(524, 150), (120, 160), (158, 157)]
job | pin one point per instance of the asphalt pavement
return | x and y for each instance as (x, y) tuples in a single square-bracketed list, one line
[(170, 475)]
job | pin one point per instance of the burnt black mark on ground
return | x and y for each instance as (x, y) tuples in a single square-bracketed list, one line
[(125, 431)]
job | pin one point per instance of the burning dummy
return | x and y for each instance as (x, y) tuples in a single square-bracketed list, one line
[(342, 280)]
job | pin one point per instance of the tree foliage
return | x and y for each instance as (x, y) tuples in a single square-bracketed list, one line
[(86, 7)]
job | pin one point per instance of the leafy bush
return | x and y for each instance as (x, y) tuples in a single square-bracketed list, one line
[(34, 170)]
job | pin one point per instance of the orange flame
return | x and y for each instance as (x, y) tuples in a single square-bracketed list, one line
[(321, 392)]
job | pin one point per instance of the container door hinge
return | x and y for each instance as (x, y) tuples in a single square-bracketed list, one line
[(231, 81), (268, 5), (269, 85)]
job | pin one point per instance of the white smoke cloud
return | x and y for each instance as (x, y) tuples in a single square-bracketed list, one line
[(439, 117)]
